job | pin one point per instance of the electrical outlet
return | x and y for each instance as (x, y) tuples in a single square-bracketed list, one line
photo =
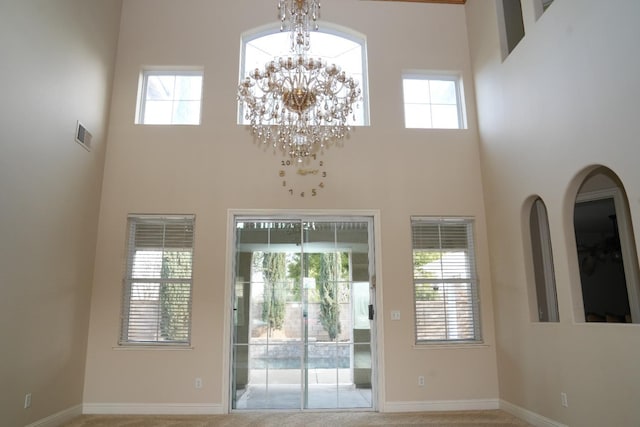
[(563, 400), (27, 401), (421, 381), (198, 383)]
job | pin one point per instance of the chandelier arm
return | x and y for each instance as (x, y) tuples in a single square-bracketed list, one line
[(296, 103)]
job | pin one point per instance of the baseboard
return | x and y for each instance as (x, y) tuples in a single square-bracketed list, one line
[(62, 417), (58, 419), (152, 408), (528, 416), (442, 405)]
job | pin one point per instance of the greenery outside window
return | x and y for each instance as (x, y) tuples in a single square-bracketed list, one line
[(158, 280), (445, 282)]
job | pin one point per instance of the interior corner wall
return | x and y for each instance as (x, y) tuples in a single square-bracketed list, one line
[(57, 68), (564, 100)]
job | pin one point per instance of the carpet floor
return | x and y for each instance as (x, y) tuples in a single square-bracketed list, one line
[(311, 419)]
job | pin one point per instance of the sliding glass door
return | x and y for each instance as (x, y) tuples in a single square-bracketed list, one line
[(302, 334)]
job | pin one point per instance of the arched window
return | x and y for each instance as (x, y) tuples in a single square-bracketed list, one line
[(338, 45), (542, 258), (607, 257)]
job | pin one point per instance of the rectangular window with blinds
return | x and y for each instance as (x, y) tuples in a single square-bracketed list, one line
[(158, 280), (444, 279)]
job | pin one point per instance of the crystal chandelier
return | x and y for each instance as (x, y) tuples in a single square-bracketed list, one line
[(296, 103)]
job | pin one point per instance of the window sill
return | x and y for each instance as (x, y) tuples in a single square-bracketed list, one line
[(168, 124), (452, 346), (153, 347)]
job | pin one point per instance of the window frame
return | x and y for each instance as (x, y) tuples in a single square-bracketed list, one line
[(456, 78), (472, 279), (170, 72), (133, 221), (325, 28)]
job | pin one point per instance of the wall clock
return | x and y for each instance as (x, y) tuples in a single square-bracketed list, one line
[(303, 179)]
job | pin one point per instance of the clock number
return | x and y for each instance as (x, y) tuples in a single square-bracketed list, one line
[(313, 192)]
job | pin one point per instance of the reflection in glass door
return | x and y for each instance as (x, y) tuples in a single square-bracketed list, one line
[(302, 337)]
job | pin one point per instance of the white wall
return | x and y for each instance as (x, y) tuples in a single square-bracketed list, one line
[(57, 67), (208, 169), (564, 100)]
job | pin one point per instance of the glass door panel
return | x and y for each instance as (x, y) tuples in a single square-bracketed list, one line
[(302, 334)]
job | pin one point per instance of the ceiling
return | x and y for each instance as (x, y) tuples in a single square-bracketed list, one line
[(433, 1)]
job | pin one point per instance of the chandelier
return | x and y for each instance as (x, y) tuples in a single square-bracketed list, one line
[(296, 103)]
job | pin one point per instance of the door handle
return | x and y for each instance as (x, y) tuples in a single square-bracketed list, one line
[(371, 312)]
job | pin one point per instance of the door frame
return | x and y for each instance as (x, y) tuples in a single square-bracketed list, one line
[(376, 281)]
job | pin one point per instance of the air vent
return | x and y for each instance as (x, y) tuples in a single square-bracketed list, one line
[(83, 136)]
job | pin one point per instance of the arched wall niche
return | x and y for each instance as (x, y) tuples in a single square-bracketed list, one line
[(602, 254), (539, 261)]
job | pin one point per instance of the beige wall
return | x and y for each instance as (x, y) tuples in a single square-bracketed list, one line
[(564, 100), (57, 68), (208, 169)]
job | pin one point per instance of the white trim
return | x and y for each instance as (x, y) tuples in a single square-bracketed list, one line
[(227, 341), (154, 347), (426, 227), (444, 75), (59, 418), (173, 71), (153, 409), (629, 256), (324, 27), (546, 252), (379, 371), (451, 346), (607, 193), (442, 405), (378, 379), (528, 416)]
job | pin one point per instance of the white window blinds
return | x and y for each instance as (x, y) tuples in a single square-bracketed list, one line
[(445, 283), (157, 286)]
